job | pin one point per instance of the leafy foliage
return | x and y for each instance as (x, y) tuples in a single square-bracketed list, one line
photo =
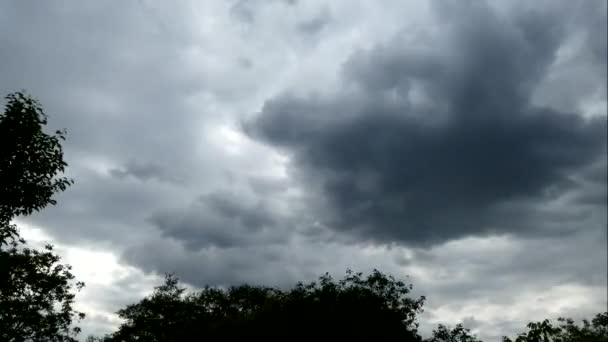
[(30, 159), (566, 331), (36, 295), (36, 290), (376, 306), (458, 334)]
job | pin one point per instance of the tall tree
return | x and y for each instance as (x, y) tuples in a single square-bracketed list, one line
[(36, 290)]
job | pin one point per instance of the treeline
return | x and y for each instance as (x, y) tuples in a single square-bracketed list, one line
[(37, 291), (375, 307)]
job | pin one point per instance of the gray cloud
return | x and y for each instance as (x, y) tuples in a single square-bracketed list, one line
[(315, 24), (125, 90), (221, 220), (144, 172), (265, 186), (215, 266), (497, 279), (110, 93), (245, 10), (441, 143)]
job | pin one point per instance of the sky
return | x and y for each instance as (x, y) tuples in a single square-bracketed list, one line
[(460, 144)]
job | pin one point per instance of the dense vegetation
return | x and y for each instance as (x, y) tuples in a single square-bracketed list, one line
[(37, 291)]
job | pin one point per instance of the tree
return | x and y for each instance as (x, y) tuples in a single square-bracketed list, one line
[(30, 159), (376, 307), (566, 331), (597, 330), (457, 334), (36, 290), (36, 295)]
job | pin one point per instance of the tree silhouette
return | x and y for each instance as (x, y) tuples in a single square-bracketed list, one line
[(30, 159), (376, 306), (36, 291), (458, 334), (566, 331)]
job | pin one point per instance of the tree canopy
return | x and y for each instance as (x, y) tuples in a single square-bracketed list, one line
[(376, 306), (36, 290), (457, 334), (30, 159), (565, 330)]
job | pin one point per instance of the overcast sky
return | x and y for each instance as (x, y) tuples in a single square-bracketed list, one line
[(462, 143)]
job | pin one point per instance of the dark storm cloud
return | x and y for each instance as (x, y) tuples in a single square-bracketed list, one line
[(436, 143)]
